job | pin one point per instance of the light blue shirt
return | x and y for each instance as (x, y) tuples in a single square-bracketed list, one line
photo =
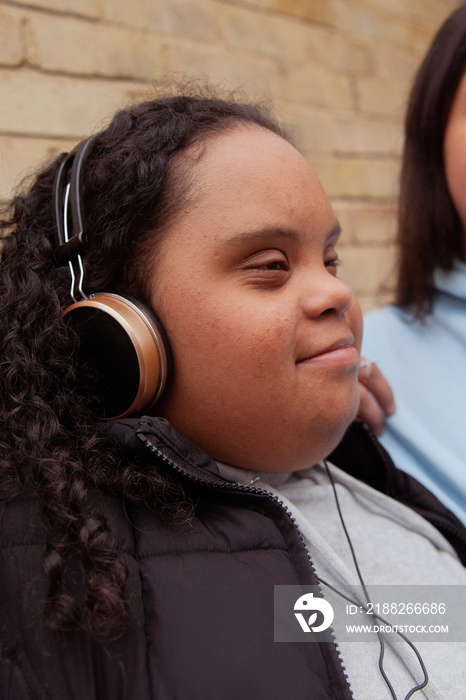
[(425, 364)]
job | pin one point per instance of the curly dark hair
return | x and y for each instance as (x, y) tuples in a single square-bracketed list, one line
[(136, 182)]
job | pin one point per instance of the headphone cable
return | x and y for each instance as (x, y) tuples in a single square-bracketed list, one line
[(366, 593)]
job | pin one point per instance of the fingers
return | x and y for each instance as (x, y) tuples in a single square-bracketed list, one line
[(370, 412), (376, 397), (372, 378)]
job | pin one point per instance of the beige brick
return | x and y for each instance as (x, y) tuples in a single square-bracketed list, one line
[(363, 223), (20, 157), (85, 8), (319, 132), (311, 130), (336, 52), (319, 11), (11, 51), (382, 97), (367, 302), (246, 30), (255, 77), (393, 65), (75, 46), (353, 134), (55, 106), (361, 21), (418, 38), (308, 83), (429, 12), (368, 270), (193, 19), (352, 177), (433, 12), (365, 22), (386, 297)]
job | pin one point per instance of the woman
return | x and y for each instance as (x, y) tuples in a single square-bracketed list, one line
[(139, 554), (420, 342)]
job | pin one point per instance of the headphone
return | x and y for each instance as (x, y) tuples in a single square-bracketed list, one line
[(120, 338)]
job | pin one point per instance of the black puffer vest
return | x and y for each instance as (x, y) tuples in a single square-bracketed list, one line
[(201, 597)]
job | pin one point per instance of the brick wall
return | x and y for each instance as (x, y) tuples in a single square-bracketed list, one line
[(337, 70)]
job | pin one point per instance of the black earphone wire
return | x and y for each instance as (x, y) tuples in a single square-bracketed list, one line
[(375, 615)]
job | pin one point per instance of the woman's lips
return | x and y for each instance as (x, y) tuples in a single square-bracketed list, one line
[(341, 351)]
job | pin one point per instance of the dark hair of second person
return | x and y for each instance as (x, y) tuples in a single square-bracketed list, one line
[(429, 228)]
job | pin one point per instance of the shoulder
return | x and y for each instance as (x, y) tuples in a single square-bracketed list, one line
[(385, 318), (389, 329), (362, 456)]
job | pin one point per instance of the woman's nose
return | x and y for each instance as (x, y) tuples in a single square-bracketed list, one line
[(327, 295)]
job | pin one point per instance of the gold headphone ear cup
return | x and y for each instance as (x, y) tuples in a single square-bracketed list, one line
[(126, 347)]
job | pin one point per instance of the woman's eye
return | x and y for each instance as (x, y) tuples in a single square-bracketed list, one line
[(267, 269), (332, 264), (274, 265), (268, 261)]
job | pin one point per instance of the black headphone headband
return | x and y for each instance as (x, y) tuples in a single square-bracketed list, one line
[(120, 338), (67, 204)]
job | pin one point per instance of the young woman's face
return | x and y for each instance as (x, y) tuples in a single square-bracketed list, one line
[(454, 153), (264, 335)]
